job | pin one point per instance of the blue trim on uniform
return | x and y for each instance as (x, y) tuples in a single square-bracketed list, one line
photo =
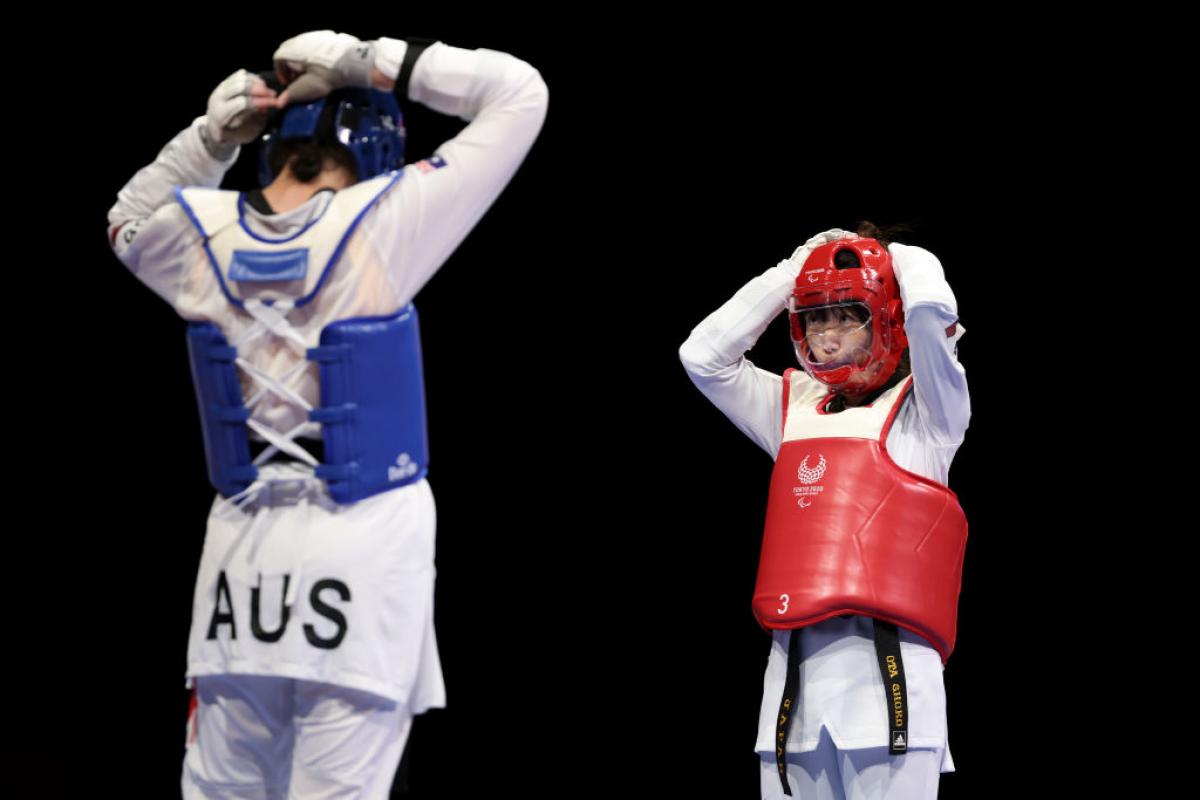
[(241, 212), (333, 259), (211, 258), (337, 253)]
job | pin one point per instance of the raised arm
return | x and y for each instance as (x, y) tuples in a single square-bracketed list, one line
[(714, 353), (417, 225), (443, 197), (931, 324), (147, 229), (505, 101)]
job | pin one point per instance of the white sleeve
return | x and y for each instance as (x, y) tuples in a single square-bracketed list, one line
[(426, 216), (147, 229), (713, 356), (931, 324)]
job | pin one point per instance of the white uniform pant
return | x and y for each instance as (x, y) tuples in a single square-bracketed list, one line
[(266, 738), (867, 773)]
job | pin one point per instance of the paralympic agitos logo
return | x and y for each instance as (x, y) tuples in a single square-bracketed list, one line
[(808, 476)]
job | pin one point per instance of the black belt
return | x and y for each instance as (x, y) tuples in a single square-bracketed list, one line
[(895, 691)]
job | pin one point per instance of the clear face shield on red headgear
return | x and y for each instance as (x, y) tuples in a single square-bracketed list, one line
[(847, 324)]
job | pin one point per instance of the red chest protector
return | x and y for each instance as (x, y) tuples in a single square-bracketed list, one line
[(850, 532)]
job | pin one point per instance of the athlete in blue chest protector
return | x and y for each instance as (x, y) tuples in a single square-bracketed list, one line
[(312, 642)]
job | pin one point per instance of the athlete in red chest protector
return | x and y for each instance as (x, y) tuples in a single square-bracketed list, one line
[(862, 553)]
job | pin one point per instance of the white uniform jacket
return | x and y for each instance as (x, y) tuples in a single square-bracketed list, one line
[(369, 563), (840, 685)]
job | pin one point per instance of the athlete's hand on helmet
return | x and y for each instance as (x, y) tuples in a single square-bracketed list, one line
[(237, 112), (801, 253), (313, 64)]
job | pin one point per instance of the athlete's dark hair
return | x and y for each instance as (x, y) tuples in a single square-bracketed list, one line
[(884, 235), (308, 156)]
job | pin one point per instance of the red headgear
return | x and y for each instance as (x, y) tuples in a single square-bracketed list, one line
[(851, 272)]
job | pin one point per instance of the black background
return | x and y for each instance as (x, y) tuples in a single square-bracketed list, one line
[(598, 520)]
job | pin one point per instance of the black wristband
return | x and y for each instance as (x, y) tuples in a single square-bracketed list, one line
[(416, 46)]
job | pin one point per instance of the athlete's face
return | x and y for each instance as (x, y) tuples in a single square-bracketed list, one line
[(839, 333)]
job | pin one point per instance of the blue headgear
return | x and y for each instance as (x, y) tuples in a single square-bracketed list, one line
[(367, 121)]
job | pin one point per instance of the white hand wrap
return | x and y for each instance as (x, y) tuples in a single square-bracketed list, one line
[(317, 62), (231, 119), (801, 253)]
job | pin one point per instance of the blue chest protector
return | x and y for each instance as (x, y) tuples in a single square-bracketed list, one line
[(372, 407), (372, 411)]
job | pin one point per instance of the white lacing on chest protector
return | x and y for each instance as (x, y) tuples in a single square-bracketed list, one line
[(272, 320)]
